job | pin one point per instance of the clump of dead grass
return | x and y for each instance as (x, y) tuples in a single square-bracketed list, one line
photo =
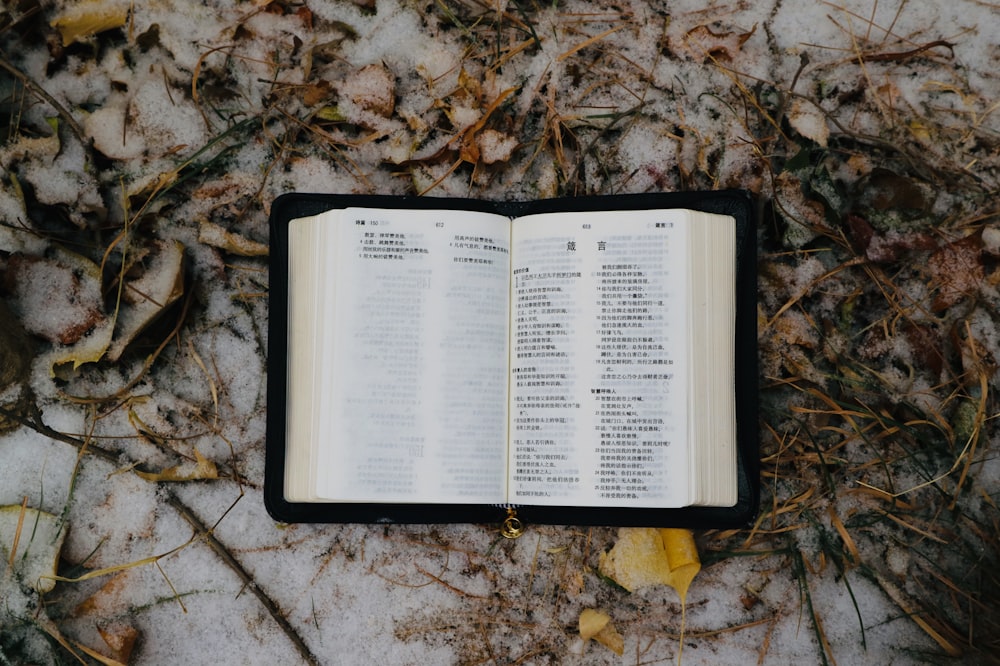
[(878, 345)]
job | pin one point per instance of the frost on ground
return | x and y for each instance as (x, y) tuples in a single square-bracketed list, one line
[(141, 146)]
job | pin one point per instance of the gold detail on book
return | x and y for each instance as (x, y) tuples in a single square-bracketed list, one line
[(512, 526)]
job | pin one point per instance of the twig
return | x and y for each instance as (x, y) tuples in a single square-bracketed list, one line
[(903, 55), (203, 532), (220, 549)]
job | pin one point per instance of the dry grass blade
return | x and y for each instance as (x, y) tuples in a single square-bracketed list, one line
[(43, 94), (17, 533), (588, 42), (943, 636)]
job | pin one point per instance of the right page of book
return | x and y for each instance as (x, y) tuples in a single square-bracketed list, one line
[(600, 360)]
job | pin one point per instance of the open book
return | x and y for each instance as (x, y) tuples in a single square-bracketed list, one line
[(578, 359)]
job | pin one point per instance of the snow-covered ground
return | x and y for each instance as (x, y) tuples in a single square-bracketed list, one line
[(138, 134)]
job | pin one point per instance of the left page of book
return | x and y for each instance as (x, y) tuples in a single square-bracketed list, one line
[(407, 367)]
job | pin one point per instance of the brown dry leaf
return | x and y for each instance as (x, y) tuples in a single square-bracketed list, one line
[(926, 344), (889, 190), (85, 19), (469, 148), (314, 93), (111, 598), (202, 469), (805, 218), (469, 88), (957, 271), (809, 120), (795, 343), (58, 299), (707, 43), (15, 351), (147, 296), (121, 639), (217, 236), (885, 248)]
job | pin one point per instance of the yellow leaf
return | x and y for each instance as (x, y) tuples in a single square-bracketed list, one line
[(591, 622), (217, 236), (637, 559), (684, 564), (203, 469), (682, 559), (85, 19), (645, 556), (597, 625)]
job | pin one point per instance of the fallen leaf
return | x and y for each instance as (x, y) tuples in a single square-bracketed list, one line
[(111, 599), (15, 352), (314, 93), (957, 271), (645, 556), (889, 190), (121, 639), (147, 296), (58, 299), (809, 120), (597, 625), (705, 43), (591, 622), (85, 19), (637, 559), (469, 87), (804, 218), (469, 149), (926, 344), (682, 559), (216, 236), (203, 468)]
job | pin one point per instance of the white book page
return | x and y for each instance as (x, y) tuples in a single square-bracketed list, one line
[(598, 356), (415, 401)]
